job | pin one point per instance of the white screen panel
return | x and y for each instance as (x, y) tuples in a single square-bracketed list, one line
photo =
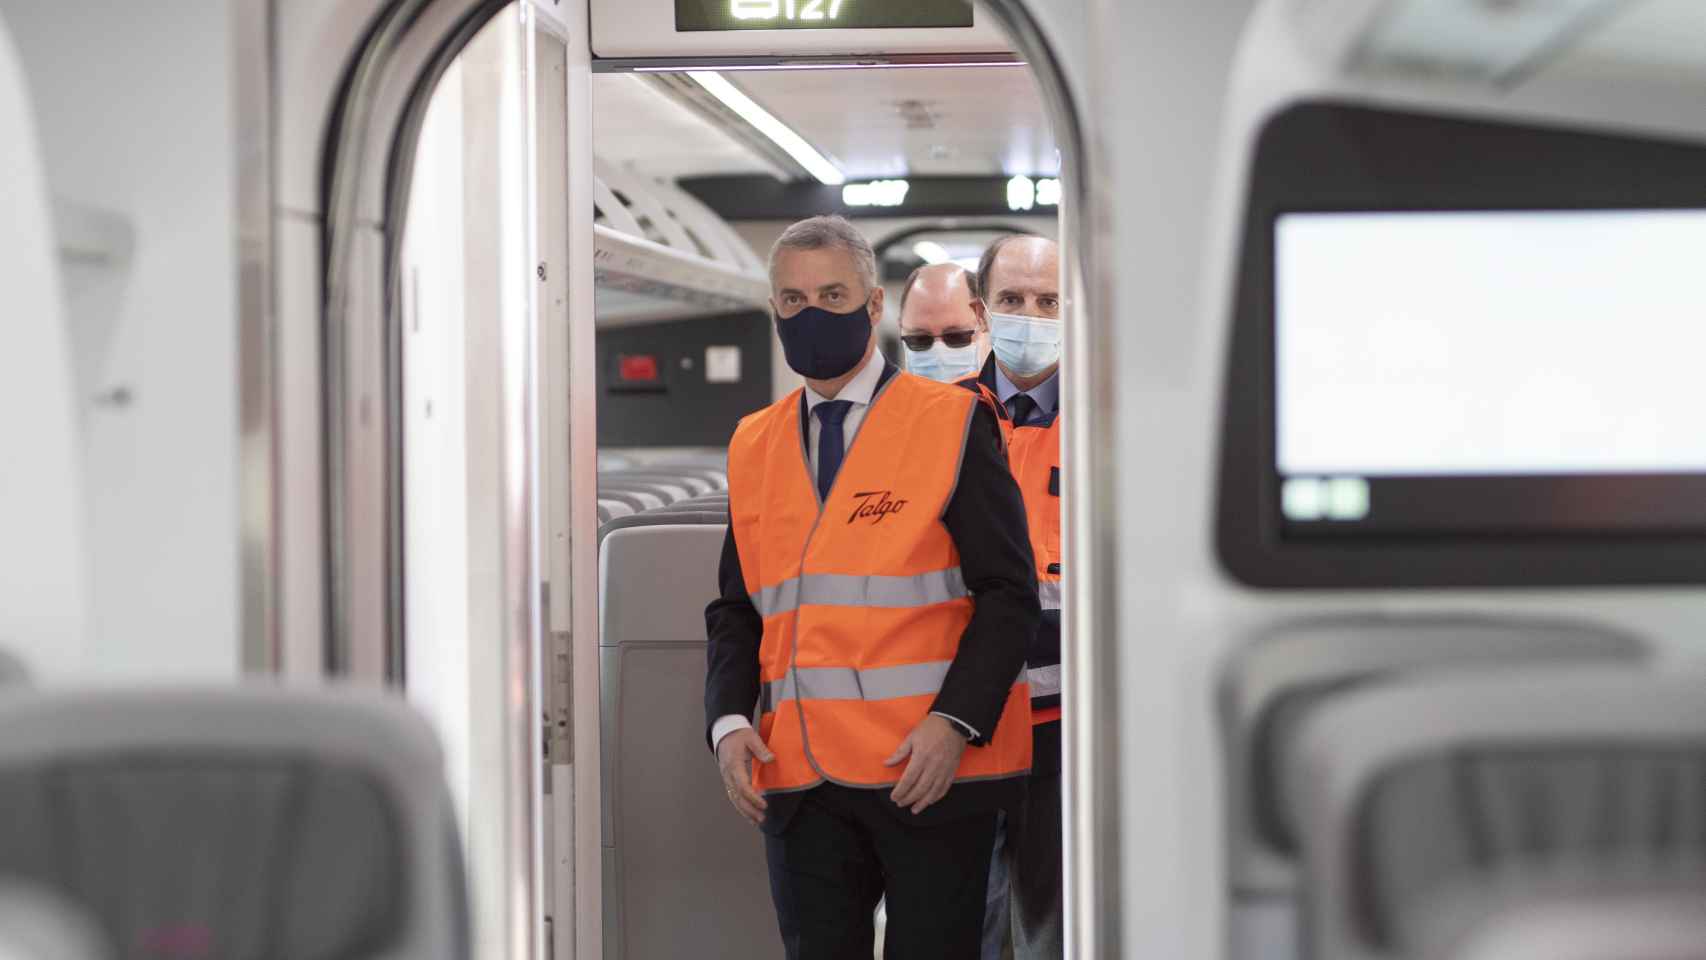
[(1508, 343)]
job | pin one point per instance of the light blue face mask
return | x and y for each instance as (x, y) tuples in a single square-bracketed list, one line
[(1026, 346), (942, 362)]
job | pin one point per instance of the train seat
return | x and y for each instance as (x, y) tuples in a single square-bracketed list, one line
[(236, 822), (13, 670), (1270, 686), (717, 477), (610, 508), (39, 924), (1427, 809), (635, 502), (1658, 925), (638, 498), (694, 485), (713, 504), (664, 491), (684, 873)]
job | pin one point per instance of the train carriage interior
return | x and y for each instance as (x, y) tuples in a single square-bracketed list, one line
[(370, 368)]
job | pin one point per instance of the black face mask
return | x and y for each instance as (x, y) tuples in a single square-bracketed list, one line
[(821, 345)]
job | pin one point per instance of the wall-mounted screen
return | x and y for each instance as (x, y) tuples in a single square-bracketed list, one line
[(1465, 352), (708, 15), (1487, 371)]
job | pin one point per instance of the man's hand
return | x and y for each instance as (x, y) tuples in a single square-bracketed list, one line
[(735, 754), (931, 753)]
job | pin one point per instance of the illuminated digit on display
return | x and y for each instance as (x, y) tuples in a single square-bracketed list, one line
[(835, 9), (813, 10), (790, 5), (754, 9)]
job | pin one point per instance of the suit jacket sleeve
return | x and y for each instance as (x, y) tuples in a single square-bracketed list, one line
[(734, 630), (986, 518)]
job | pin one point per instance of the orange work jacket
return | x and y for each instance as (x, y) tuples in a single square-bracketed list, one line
[(1033, 453), (861, 594)]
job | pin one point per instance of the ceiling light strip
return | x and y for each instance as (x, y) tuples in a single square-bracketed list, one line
[(766, 123)]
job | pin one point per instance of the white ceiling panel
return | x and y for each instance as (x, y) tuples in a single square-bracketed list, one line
[(638, 127), (917, 121), (1659, 40), (873, 122)]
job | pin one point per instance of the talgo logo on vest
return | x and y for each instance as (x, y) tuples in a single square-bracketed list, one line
[(875, 506)]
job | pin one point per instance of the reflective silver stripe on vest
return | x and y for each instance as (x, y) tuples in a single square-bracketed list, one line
[(1048, 591), (846, 683), (1045, 681), (849, 590)]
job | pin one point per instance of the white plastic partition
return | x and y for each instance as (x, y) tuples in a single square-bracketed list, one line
[(42, 591)]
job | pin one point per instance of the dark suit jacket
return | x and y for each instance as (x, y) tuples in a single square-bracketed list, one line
[(1045, 646), (986, 518)]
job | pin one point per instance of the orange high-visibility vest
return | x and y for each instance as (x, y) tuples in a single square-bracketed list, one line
[(1033, 452), (862, 596)]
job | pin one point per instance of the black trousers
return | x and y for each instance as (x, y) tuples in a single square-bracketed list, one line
[(843, 851), (1034, 857)]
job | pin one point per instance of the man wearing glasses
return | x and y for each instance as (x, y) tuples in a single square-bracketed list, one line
[(944, 335)]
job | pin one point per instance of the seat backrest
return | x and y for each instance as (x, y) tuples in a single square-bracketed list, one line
[(677, 515), (1659, 925), (13, 671), (1270, 686), (43, 565), (685, 875), (1425, 808), (638, 497), (238, 823), (717, 477), (694, 486), (608, 461), (707, 504), (609, 508), (665, 491), (38, 924)]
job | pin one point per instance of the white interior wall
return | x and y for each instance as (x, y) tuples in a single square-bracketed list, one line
[(1167, 63), (435, 519), (1173, 226), (136, 117), (42, 556)]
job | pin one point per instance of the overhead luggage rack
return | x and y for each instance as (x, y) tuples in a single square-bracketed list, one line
[(659, 254)]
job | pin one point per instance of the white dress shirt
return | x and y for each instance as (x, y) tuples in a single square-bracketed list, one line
[(859, 392)]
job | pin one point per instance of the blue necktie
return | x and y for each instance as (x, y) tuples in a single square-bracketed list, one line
[(1022, 407), (831, 442)]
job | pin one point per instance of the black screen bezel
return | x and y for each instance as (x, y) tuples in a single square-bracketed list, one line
[(1322, 157), (737, 27)]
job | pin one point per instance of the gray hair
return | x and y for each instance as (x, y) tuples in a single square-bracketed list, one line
[(824, 233)]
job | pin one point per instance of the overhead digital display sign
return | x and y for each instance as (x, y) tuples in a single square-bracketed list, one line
[(709, 15)]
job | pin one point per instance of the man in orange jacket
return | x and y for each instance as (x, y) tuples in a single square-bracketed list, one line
[(1019, 282), (877, 591)]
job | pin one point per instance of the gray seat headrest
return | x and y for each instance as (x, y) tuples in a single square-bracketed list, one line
[(38, 924), (657, 518), (236, 823), (694, 486), (1424, 807), (13, 670), (1269, 686), (1659, 925)]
